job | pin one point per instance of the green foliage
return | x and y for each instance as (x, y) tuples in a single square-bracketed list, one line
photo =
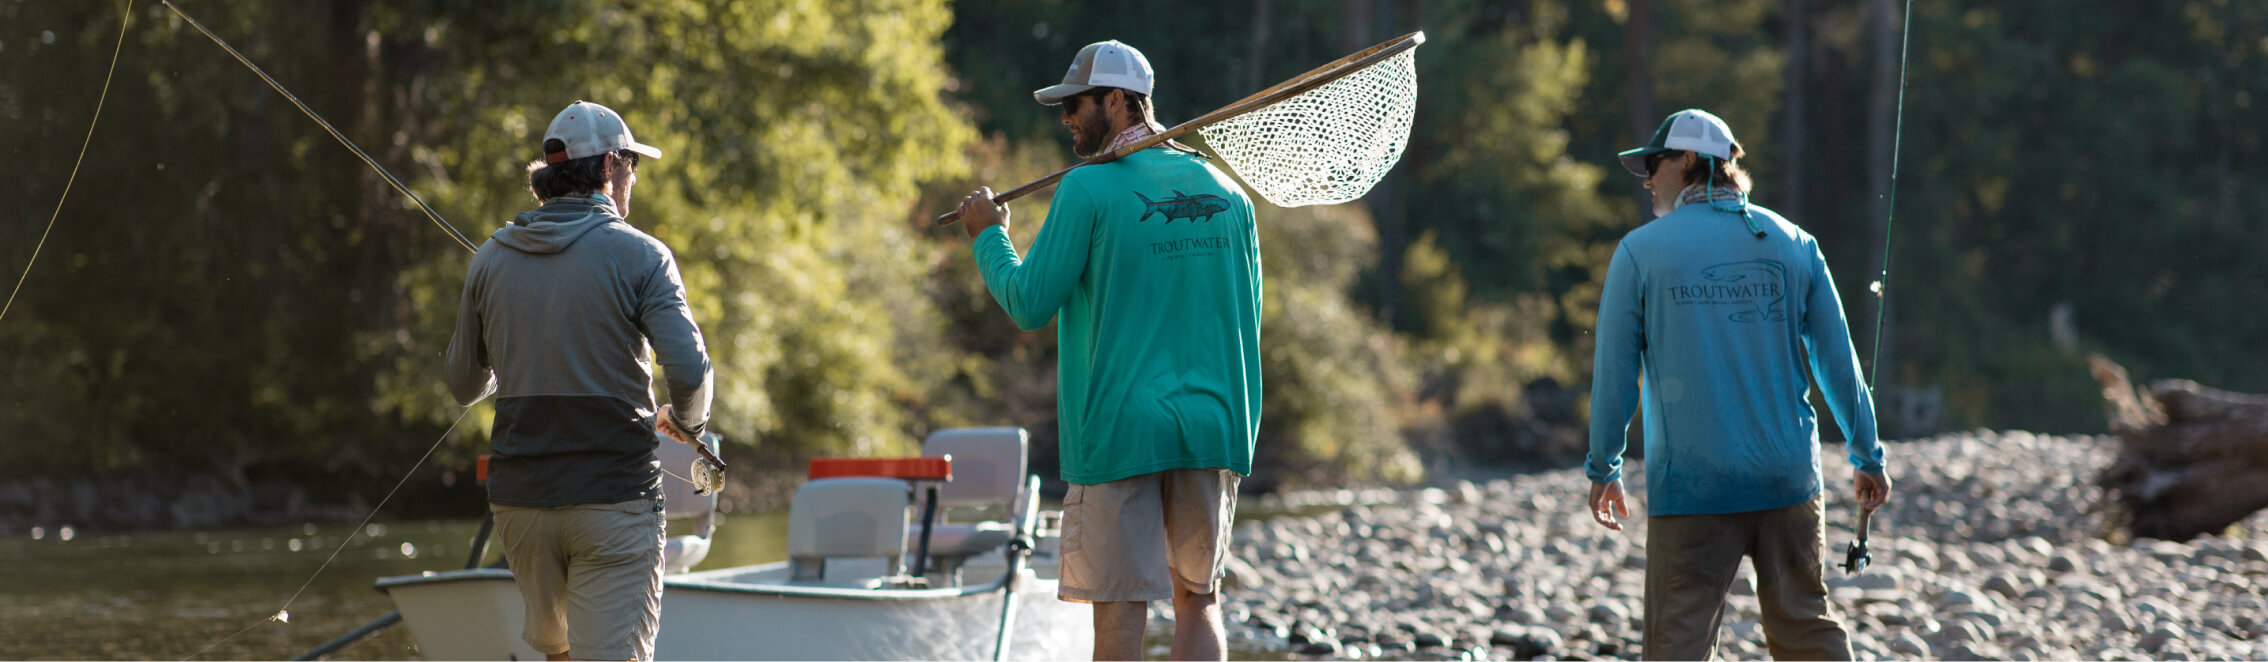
[(1336, 384), (231, 293)]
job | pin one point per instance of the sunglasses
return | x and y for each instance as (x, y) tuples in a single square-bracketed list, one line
[(1071, 103), (630, 156), (1654, 161)]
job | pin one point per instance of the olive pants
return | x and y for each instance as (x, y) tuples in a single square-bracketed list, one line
[(1691, 561)]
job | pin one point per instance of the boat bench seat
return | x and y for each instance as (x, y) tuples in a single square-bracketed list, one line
[(847, 518), (988, 475)]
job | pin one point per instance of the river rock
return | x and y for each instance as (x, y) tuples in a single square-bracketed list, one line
[(1528, 643), (2157, 640)]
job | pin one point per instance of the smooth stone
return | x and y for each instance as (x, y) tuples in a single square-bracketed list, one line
[(2159, 610), (1608, 613), (2002, 584), (1325, 648), (2169, 551), (1908, 644), (1984, 617), (2063, 563), (1559, 613), (2156, 641), (1952, 598), (1982, 650), (1873, 581)]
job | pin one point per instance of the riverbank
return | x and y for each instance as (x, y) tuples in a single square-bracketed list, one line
[(1991, 548), (197, 502)]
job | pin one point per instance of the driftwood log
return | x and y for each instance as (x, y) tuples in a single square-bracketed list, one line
[(2192, 459)]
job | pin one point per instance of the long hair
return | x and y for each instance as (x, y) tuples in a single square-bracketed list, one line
[(571, 177), (1728, 173)]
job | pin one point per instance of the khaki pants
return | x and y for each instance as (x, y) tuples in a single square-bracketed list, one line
[(1690, 564), (1134, 540), (591, 576)]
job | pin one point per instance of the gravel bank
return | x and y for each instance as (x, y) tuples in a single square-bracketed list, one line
[(1991, 548)]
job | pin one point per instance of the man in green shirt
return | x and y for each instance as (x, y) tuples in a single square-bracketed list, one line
[(1150, 267)]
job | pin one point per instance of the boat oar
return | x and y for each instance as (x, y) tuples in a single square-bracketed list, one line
[(1018, 549)]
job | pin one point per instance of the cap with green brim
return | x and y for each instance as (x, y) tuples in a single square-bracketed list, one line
[(1693, 130)]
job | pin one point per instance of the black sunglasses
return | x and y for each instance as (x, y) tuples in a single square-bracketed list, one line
[(1654, 161), (630, 156), (1071, 103)]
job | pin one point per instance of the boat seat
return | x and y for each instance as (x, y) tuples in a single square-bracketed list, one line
[(847, 518), (988, 473), (681, 553)]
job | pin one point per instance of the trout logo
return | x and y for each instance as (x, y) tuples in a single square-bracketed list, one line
[(1182, 205), (1757, 287)]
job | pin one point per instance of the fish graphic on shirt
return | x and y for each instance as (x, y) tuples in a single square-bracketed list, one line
[(1182, 205)]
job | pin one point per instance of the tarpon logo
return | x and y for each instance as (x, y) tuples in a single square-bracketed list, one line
[(1758, 287), (1182, 205)]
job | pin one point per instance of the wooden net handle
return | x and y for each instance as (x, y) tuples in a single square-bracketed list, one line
[(1314, 78)]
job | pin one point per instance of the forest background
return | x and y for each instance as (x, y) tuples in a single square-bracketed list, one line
[(234, 313)]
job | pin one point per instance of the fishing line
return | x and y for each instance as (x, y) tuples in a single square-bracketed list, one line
[(126, 17), (283, 613), (428, 209), (1890, 214)]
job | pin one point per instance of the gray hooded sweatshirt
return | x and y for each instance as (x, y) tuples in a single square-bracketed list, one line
[(558, 310)]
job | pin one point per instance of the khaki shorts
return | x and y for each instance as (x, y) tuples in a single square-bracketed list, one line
[(591, 575), (1134, 540)]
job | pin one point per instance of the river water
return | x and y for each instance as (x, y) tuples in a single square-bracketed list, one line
[(65, 595), (172, 595)]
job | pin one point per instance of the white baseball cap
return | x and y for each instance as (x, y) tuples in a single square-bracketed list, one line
[(1692, 130), (589, 130), (1101, 64)]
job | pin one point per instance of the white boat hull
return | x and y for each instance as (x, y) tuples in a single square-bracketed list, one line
[(751, 613)]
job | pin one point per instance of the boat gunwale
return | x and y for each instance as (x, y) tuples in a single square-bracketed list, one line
[(706, 581)]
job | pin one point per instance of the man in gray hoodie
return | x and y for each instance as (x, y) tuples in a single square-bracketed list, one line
[(559, 307)]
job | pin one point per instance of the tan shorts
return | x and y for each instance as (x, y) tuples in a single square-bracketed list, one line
[(591, 575), (1133, 540)]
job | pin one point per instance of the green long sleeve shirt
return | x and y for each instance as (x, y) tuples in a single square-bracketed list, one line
[(1150, 266)]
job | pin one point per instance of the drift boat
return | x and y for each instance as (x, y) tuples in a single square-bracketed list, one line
[(979, 589)]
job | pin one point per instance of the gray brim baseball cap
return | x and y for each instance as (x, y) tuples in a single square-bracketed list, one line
[(588, 129), (1693, 130), (1101, 64)]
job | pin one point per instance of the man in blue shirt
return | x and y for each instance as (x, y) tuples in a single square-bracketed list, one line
[(1716, 304)]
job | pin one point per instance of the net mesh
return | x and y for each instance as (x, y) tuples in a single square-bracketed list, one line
[(1327, 145)]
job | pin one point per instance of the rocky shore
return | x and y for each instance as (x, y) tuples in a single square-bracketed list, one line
[(1993, 547)]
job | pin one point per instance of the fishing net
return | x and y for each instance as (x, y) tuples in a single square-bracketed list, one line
[(1327, 145)]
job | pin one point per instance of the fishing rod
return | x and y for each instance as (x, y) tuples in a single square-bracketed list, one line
[(390, 179), (1856, 556), (126, 18)]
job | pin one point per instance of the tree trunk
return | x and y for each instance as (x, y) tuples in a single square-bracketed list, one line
[(2190, 456), (1638, 76), (1795, 89), (1256, 57)]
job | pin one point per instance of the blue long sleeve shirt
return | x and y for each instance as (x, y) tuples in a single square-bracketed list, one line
[(1718, 323)]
